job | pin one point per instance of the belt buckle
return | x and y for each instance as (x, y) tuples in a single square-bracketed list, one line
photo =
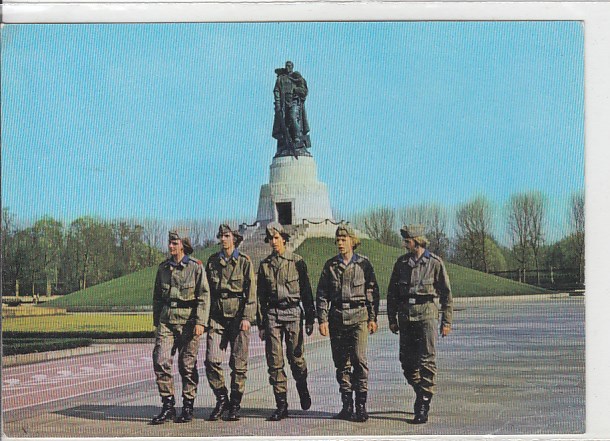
[(173, 304), (412, 301), (346, 305), (224, 295)]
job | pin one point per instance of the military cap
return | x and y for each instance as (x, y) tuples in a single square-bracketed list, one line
[(411, 231), (224, 228), (275, 227), (347, 230), (182, 236)]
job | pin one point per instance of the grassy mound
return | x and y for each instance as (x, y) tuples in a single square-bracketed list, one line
[(465, 282), (128, 291), (92, 325), (135, 290)]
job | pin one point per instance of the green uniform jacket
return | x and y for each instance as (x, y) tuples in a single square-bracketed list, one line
[(344, 290), (232, 287), (181, 293), (412, 279), (282, 283)]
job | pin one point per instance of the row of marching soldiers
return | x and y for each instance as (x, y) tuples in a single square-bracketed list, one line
[(222, 300)]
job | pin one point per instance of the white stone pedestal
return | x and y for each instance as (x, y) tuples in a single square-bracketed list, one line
[(293, 193)]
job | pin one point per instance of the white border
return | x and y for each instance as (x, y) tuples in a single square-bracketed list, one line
[(596, 19)]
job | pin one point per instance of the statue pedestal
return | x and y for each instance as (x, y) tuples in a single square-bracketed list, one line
[(293, 193)]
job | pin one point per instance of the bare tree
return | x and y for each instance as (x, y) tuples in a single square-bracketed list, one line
[(473, 227), (518, 228), (379, 224), (434, 218), (578, 226), (536, 235), (202, 232), (526, 222)]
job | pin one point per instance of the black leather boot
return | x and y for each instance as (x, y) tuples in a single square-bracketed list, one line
[(234, 406), (360, 415), (304, 394), (222, 404), (282, 408), (421, 413), (187, 411), (348, 407), (168, 411)]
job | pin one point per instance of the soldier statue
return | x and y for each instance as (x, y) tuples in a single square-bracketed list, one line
[(290, 126)]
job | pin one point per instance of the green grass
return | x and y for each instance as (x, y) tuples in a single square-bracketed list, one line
[(135, 289), (93, 324)]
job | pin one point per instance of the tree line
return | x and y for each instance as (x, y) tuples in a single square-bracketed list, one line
[(48, 257), (472, 241)]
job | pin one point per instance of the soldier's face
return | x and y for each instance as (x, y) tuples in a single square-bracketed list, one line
[(344, 244), (175, 247), (227, 241), (409, 244), (278, 243), (289, 67)]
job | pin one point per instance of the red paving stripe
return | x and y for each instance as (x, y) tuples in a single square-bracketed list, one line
[(131, 359)]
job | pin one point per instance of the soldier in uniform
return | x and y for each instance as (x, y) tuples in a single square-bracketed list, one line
[(181, 306), (233, 308), (282, 285), (347, 303), (418, 279)]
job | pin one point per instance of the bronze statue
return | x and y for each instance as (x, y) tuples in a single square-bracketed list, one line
[(290, 126)]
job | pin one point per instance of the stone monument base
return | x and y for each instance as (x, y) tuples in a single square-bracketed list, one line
[(293, 195)]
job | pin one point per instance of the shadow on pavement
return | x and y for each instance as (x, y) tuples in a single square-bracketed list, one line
[(145, 413)]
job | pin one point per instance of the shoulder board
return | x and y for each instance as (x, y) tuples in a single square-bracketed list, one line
[(362, 257), (197, 261), (165, 262), (434, 256), (246, 256)]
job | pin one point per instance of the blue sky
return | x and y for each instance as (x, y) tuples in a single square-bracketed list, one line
[(173, 121)]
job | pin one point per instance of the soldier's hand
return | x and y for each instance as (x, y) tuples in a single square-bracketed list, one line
[(394, 328), (309, 329), (372, 327), (323, 328), (261, 334), (445, 330), (199, 329), (244, 325)]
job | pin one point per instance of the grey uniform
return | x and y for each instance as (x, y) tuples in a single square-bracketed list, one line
[(282, 284), (233, 299), (348, 298), (181, 300), (415, 285)]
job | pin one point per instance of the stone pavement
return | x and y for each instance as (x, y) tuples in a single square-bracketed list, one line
[(511, 367)]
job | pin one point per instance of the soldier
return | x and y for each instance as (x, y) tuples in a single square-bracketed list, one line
[(181, 307), (347, 304), (282, 284), (233, 309), (418, 279)]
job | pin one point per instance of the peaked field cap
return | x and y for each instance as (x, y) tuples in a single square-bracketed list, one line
[(412, 231), (345, 230), (225, 228), (182, 235), (275, 227)]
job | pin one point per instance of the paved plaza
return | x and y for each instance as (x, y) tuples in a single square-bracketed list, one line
[(512, 366)]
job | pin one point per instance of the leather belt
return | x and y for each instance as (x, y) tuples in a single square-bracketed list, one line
[(348, 305), (419, 300), (283, 305), (182, 303)]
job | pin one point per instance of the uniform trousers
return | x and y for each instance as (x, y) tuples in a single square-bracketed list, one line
[(187, 345), (349, 345)]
